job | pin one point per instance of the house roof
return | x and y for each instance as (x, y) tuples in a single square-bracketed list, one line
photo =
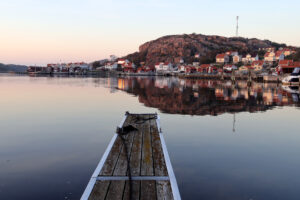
[(285, 62), (296, 63), (278, 53), (267, 54), (205, 65), (221, 55)]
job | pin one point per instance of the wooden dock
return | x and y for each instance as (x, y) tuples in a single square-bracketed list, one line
[(149, 174)]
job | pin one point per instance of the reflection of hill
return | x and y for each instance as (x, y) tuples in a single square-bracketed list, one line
[(198, 99)]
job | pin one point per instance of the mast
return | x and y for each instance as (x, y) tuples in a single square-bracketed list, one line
[(237, 26)]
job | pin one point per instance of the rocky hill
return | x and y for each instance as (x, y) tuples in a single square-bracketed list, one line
[(174, 47)]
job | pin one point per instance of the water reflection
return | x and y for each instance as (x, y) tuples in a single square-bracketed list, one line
[(205, 97), (55, 129)]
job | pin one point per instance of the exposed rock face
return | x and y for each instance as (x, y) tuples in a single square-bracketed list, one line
[(174, 47)]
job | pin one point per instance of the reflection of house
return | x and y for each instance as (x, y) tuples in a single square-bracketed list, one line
[(196, 97), (222, 58)]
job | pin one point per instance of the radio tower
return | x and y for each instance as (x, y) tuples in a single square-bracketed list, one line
[(237, 26)]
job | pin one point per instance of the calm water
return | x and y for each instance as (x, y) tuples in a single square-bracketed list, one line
[(225, 141)]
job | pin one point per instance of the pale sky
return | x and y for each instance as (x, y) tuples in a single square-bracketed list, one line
[(47, 31)]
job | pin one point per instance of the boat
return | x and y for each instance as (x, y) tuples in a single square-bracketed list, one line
[(293, 79), (136, 164)]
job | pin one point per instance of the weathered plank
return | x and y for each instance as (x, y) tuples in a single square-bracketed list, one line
[(135, 190), (113, 156), (147, 159), (148, 190), (160, 168), (121, 166), (99, 191), (136, 152), (164, 190), (115, 190)]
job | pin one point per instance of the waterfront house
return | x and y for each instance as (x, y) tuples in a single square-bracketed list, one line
[(279, 55), (249, 58), (110, 66), (287, 51), (245, 68), (190, 69), (182, 68), (285, 63), (229, 68), (270, 57), (122, 61), (204, 68), (164, 67), (128, 67), (288, 68), (258, 65), (236, 59), (222, 58)]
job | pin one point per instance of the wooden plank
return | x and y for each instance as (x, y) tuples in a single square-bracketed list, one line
[(164, 191), (135, 190), (121, 166), (101, 187), (160, 168), (136, 153), (147, 159), (148, 190), (116, 188), (99, 191), (113, 156), (115, 191)]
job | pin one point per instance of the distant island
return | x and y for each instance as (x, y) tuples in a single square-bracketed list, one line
[(12, 68)]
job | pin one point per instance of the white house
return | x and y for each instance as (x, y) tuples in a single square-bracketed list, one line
[(122, 61), (110, 66), (164, 67)]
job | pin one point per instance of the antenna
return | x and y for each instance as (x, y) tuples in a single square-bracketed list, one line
[(237, 26)]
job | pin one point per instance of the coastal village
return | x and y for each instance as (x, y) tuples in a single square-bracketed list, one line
[(273, 62)]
